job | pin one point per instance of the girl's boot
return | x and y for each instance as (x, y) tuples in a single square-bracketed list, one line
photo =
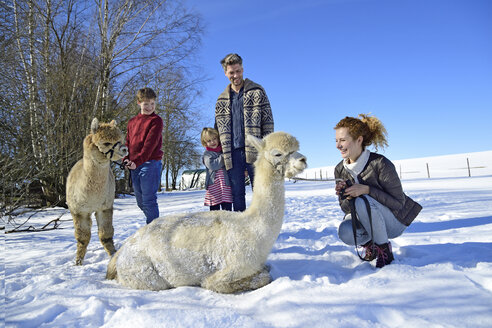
[(384, 255)]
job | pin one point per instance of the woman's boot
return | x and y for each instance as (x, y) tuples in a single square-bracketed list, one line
[(384, 255), (370, 251)]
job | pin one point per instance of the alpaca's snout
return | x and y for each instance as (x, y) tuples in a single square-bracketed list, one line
[(297, 164), (300, 161)]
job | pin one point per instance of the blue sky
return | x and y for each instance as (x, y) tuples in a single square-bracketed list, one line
[(424, 67)]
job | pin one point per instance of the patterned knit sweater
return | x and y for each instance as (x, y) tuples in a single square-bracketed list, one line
[(258, 118)]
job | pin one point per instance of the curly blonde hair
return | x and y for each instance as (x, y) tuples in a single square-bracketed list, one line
[(369, 127)]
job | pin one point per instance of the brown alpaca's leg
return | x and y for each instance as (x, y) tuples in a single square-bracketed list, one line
[(82, 223), (105, 229)]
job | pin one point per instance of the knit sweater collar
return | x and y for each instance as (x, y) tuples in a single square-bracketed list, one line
[(248, 85)]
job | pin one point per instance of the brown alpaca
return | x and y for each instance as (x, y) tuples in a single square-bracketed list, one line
[(91, 186)]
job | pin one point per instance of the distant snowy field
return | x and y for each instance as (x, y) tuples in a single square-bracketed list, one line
[(441, 277), (457, 165)]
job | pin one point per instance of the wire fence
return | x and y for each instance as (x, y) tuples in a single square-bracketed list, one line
[(448, 166), (431, 171)]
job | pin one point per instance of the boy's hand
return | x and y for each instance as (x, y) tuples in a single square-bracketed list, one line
[(130, 165)]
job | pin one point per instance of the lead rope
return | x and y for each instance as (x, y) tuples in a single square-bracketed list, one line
[(353, 213), (122, 166)]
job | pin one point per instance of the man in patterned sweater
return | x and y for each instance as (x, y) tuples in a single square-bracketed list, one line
[(243, 108)]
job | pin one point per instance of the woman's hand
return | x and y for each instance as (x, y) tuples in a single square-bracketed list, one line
[(339, 186), (356, 190)]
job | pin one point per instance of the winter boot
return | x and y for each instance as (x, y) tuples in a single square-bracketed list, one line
[(384, 255), (370, 251)]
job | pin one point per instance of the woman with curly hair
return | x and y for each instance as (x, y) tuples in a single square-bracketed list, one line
[(369, 187)]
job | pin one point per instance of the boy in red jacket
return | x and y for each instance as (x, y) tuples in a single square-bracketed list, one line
[(144, 142)]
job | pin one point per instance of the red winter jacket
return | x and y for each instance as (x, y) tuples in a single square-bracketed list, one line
[(144, 138)]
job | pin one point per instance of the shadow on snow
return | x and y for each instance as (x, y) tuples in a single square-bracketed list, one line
[(340, 263)]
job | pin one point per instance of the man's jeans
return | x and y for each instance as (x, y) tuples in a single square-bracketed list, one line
[(146, 180), (236, 177)]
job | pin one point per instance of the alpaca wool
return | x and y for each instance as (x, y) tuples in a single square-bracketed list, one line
[(91, 186), (223, 251)]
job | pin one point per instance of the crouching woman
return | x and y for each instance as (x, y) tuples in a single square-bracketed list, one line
[(369, 186)]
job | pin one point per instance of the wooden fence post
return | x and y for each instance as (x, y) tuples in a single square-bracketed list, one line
[(468, 165), (428, 173)]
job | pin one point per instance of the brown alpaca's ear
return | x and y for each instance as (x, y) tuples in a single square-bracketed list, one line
[(112, 123), (255, 142), (94, 125)]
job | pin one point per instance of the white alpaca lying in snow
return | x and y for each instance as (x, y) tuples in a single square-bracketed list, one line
[(219, 250)]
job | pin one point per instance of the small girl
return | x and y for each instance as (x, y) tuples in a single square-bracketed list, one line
[(219, 193)]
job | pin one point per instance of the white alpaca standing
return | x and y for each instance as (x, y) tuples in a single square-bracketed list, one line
[(219, 250)]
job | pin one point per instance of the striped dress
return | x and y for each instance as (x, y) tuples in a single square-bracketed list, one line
[(218, 192)]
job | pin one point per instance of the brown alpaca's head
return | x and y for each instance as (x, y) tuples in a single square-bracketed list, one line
[(107, 137)]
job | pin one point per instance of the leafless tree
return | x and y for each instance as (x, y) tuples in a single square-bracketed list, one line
[(138, 40), (67, 61), (181, 123), (48, 83)]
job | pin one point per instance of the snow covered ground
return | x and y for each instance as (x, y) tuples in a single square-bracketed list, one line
[(442, 275)]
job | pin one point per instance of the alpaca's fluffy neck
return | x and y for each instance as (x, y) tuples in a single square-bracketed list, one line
[(266, 211), (96, 165)]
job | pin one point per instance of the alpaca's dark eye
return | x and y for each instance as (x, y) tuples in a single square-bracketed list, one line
[(107, 144)]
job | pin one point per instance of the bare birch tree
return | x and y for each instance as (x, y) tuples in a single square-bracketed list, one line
[(45, 34), (181, 123), (138, 40), (67, 61)]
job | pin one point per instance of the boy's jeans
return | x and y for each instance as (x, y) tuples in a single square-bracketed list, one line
[(146, 180), (236, 177)]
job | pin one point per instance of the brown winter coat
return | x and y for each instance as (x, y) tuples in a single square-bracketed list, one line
[(384, 186)]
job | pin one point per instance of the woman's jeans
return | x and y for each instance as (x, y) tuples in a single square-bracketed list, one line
[(146, 180), (384, 224), (237, 178)]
